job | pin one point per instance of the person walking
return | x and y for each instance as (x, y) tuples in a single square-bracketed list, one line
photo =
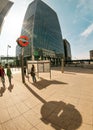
[(2, 75), (24, 70), (33, 73), (9, 74)]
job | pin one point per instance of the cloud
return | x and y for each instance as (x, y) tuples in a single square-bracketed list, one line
[(87, 31), (85, 4)]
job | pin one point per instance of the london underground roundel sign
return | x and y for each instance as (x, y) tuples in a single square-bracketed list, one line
[(23, 41)]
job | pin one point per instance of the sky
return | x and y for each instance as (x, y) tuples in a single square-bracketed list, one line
[(75, 18)]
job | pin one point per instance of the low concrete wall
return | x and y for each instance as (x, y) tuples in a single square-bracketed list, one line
[(90, 66)]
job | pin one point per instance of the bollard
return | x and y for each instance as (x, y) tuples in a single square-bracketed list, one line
[(62, 67)]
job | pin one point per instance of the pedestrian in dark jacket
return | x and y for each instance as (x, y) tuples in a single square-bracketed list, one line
[(2, 75), (24, 70), (33, 73), (9, 74)]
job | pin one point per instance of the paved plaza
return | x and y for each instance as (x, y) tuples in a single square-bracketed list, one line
[(64, 102)]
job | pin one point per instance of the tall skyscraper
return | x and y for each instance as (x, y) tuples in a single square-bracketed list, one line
[(91, 54), (67, 50), (42, 27), (5, 5)]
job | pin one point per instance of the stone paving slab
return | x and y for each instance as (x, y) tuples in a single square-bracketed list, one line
[(64, 102)]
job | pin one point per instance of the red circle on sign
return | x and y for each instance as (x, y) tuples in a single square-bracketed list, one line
[(23, 41)]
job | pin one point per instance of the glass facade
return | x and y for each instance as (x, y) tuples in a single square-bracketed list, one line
[(42, 27), (91, 54), (67, 49), (47, 30)]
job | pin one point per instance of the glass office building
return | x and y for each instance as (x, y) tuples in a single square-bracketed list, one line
[(42, 27), (67, 50), (91, 54)]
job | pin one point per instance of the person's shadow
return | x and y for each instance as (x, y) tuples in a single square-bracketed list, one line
[(61, 116), (2, 90), (10, 88), (43, 83)]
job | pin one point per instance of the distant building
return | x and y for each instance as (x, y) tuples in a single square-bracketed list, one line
[(91, 54), (5, 5), (67, 50), (41, 25)]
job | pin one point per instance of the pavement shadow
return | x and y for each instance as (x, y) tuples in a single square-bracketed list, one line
[(59, 114), (10, 88), (43, 83), (34, 93), (2, 90)]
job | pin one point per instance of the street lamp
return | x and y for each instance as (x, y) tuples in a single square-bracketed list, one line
[(8, 46)]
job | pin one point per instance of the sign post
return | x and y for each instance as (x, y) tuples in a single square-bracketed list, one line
[(22, 42), (22, 65)]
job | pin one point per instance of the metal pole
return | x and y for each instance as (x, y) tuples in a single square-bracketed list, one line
[(7, 54), (8, 46), (50, 69), (22, 65)]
